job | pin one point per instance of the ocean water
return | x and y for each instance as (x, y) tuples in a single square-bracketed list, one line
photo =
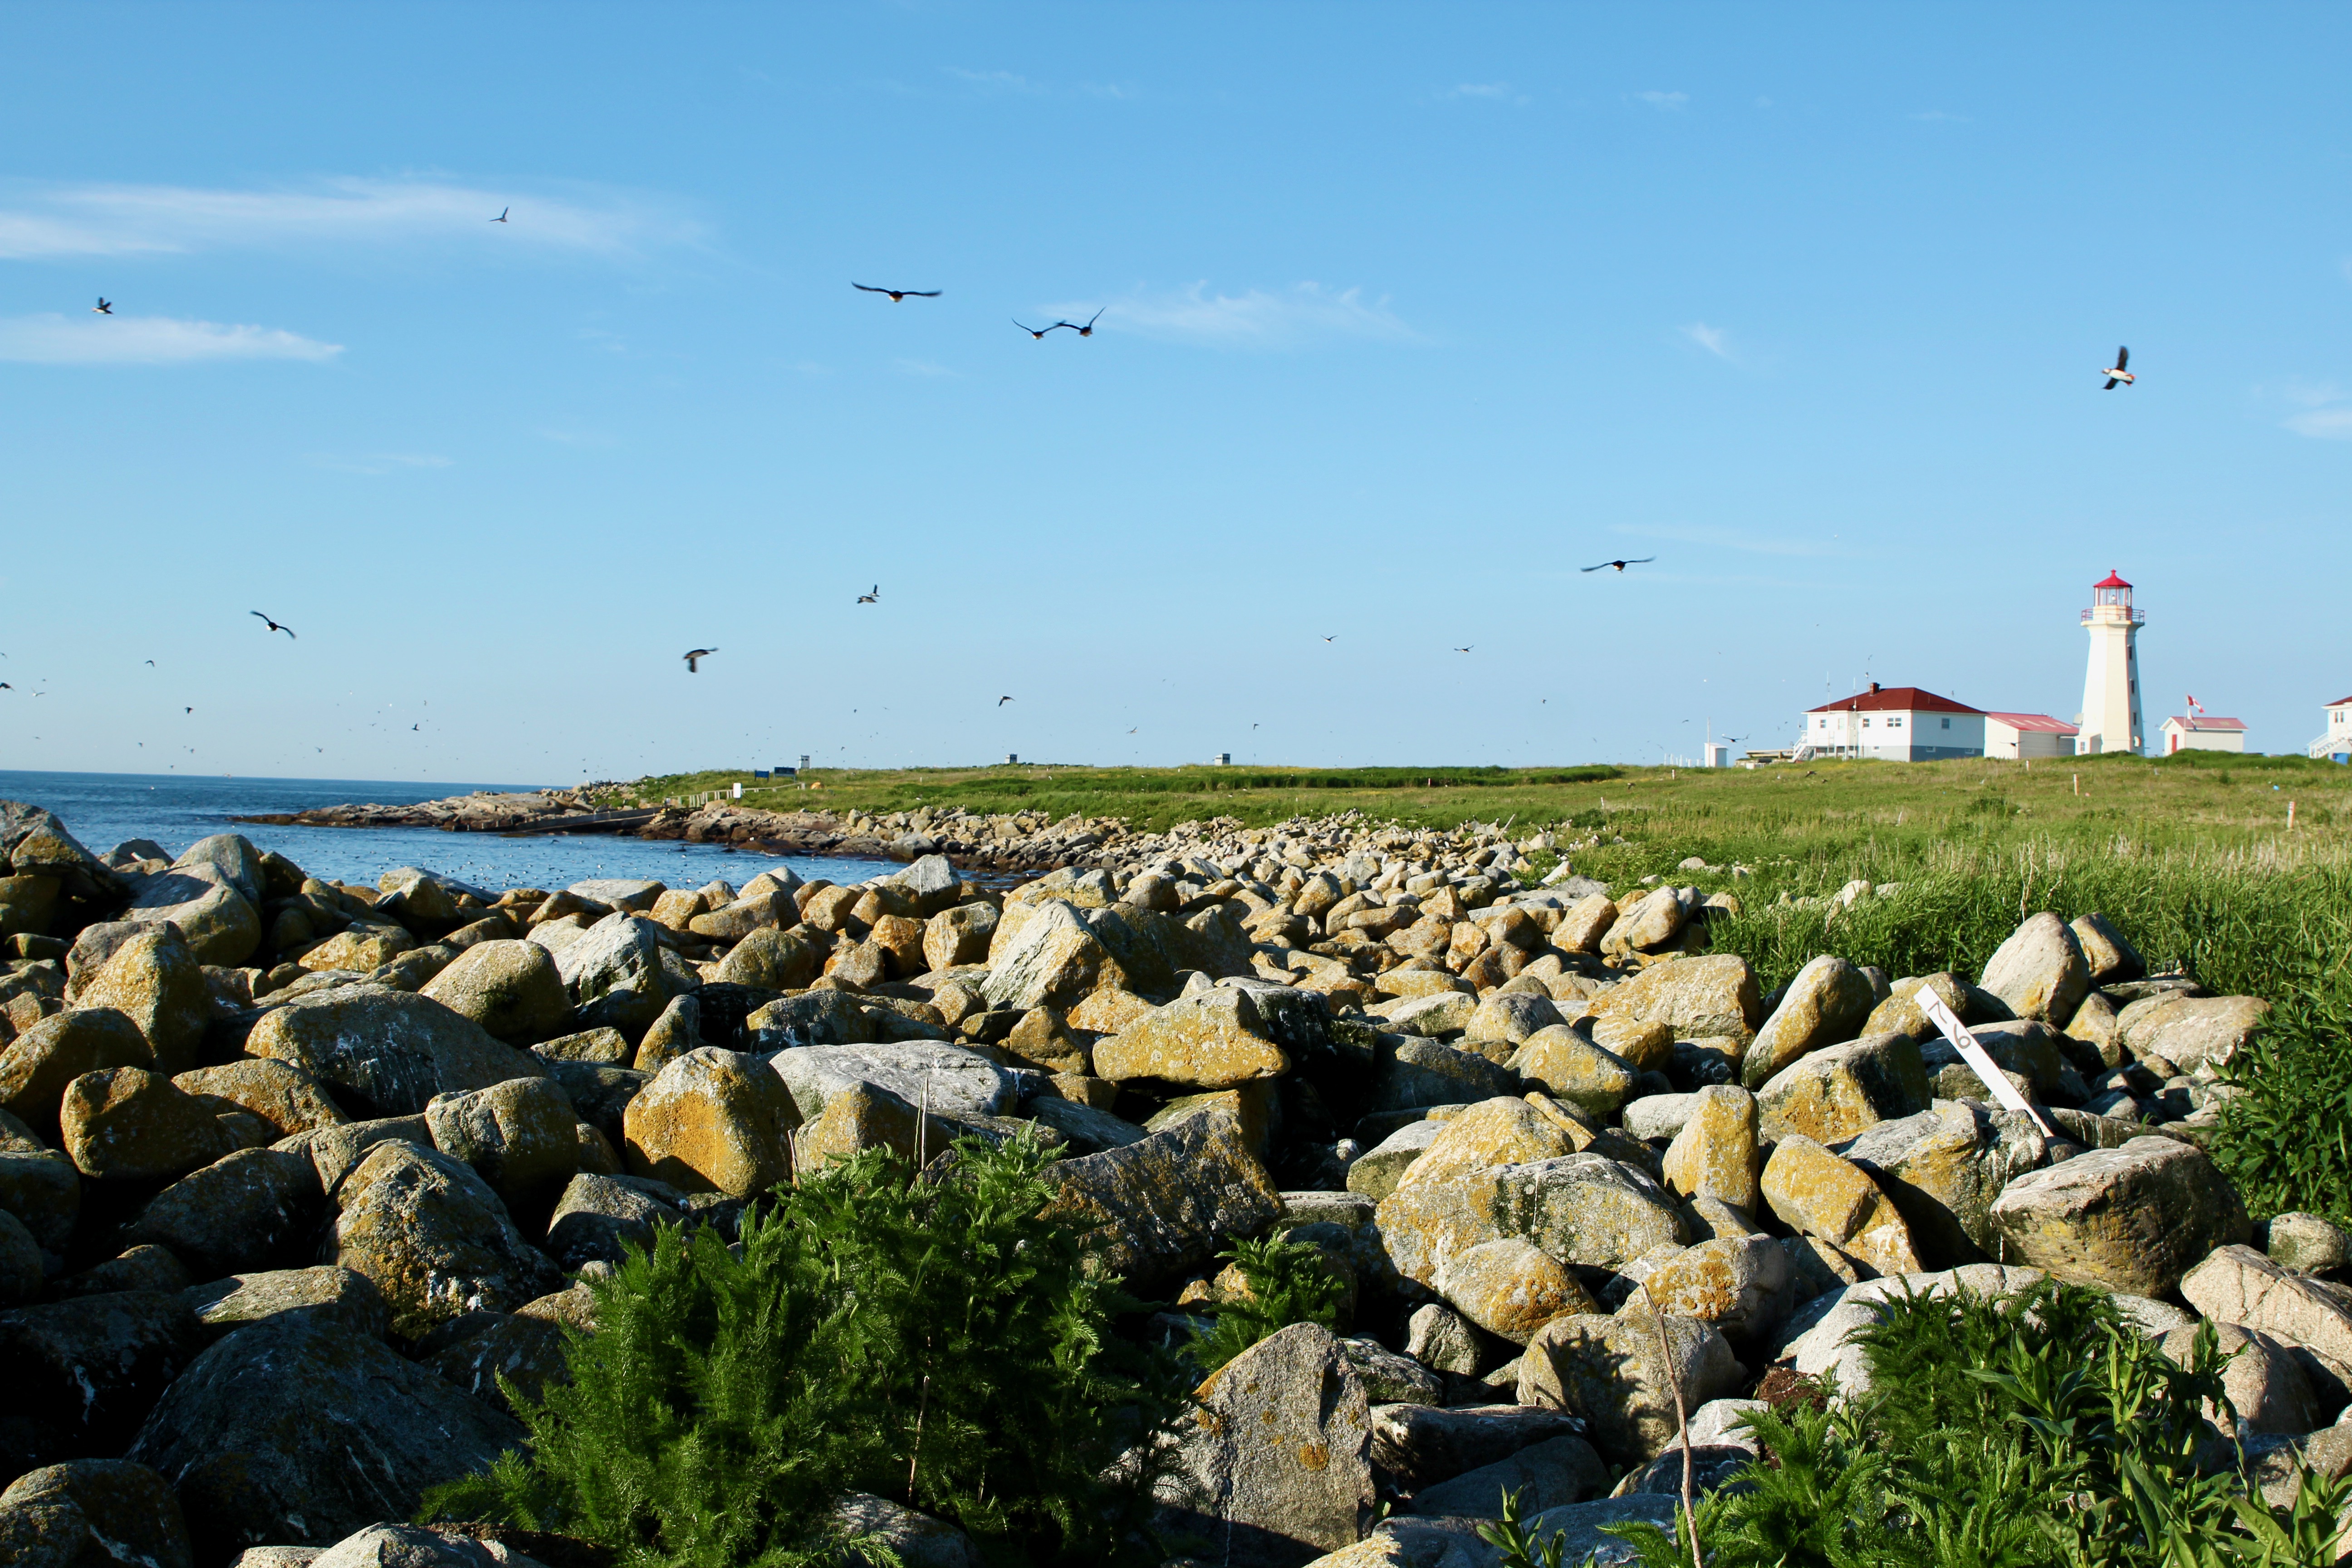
[(104, 810)]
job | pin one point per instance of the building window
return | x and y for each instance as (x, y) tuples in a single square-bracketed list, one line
[(1948, 723), (1894, 723), (1866, 723)]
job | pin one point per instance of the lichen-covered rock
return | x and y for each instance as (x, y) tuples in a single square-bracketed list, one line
[(1716, 1154), (1168, 1202), (1376, 1172), (220, 924), (2238, 1285), (1820, 1194), (1692, 997), (527, 1351), (600, 1218), (1570, 1067), (1276, 1466), (946, 1079), (1214, 1040), (1419, 1447), (1051, 959), (2107, 951), (248, 1210), (93, 1513), (712, 1121), (512, 989), (771, 960), (2039, 971), (1499, 1131), (40, 1061), (1578, 1208), (386, 1053), (1513, 1018), (1740, 1284), (83, 1372), (1943, 1168), (2307, 1244), (433, 1239), (239, 1300), (1510, 1287), (154, 980), (1832, 1094), (1610, 1372), (303, 1431), (2194, 1031), (280, 1093), (2133, 1219), (1414, 1072), (359, 947), (866, 1116), (2026, 1047), (517, 1135), (129, 1124), (1825, 1004)]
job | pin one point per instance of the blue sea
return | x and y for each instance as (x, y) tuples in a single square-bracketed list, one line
[(104, 810)]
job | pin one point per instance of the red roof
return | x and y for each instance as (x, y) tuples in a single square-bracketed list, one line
[(2206, 721), (1893, 699), (2041, 723), (2340, 702), (2113, 581)]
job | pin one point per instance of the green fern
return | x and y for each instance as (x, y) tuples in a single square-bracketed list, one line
[(1289, 1282), (938, 1343)]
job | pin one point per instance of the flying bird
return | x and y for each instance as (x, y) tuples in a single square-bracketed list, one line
[(694, 658), (1620, 565), (187, 710), (1086, 331), (105, 306), (6, 687), (273, 625), (1333, 638), (503, 214), (1465, 649), (2116, 373), (1037, 333), (872, 595), (150, 664), (1003, 700), (898, 294)]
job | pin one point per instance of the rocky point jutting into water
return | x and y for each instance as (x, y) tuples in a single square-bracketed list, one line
[(290, 1168)]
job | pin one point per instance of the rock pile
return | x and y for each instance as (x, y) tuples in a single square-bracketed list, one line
[(357, 1147)]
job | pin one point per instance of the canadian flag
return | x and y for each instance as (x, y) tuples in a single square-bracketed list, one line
[(2195, 706)]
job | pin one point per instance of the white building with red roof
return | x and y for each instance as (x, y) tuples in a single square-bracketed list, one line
[(2027, 736), (2336, 744), (1895, 724), (2202, 732)]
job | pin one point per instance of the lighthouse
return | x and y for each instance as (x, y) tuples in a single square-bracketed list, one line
[(2110, 717)]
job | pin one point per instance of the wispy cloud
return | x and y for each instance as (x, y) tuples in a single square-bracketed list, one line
[(377, 464), (2325, 412), (1258, 319), (995, 81), (43, 221), (51, 338), (1661, 99), (1487, 91), (1714, 339), (2323, 423), (1716, 538)]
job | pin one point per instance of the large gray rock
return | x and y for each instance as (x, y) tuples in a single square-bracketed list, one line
[(303, 1431), (621, 954), (1051, 959), (1611, 1372), (2190, 1032), (2107, 951), (2239, 1285), (1275, 1467), (1832, 1094), (1214, 1040), (42, 1189), (232, 858), (514, 990), (433, 1239), (2133, 1219), (1825, 1004), (949, 1079), (2267, 1387), (33, 843), (239, 1300), (154, 979), (250, 1210), (1943, 1168), (2027, 1048), (386, 1053), (220, 924), (40, 1061), (1578, 1208), (916, 1540), (406, 1546), (1694, 998), (1550, 1474), (517, 1136), (1415, 1071), (1421, 1446), (2039, 971), (1740, 1284), (92, 1513), (1169, 1202), (600, 1218), (84, 1371)]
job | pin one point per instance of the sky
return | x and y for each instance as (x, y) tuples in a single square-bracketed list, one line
[(1406, 314)]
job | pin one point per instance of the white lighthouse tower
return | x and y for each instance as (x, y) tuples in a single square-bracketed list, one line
[(2110, 718)]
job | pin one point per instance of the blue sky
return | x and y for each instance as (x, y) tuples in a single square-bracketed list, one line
[(1407, 314)]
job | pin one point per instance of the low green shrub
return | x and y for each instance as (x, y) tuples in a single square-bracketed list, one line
[(2286, 1138), (936, 1341), (2039, 1431), (1289, 1282)]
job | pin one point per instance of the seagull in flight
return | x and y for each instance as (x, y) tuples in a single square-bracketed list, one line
[(1086, 331), (503, 214), (694, 658), (2114, 373), (273, 625), (105, 306), (1333, 638), (898, 294), (872, 595), (1003, 700), (1037, 333), (1620, 565)]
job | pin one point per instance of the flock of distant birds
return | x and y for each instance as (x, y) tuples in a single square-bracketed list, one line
[(2117, 374)]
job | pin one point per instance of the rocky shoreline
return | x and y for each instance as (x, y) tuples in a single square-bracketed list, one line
[(289, 1169)]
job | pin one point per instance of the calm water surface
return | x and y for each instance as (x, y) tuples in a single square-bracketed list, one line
[(104, 810)]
